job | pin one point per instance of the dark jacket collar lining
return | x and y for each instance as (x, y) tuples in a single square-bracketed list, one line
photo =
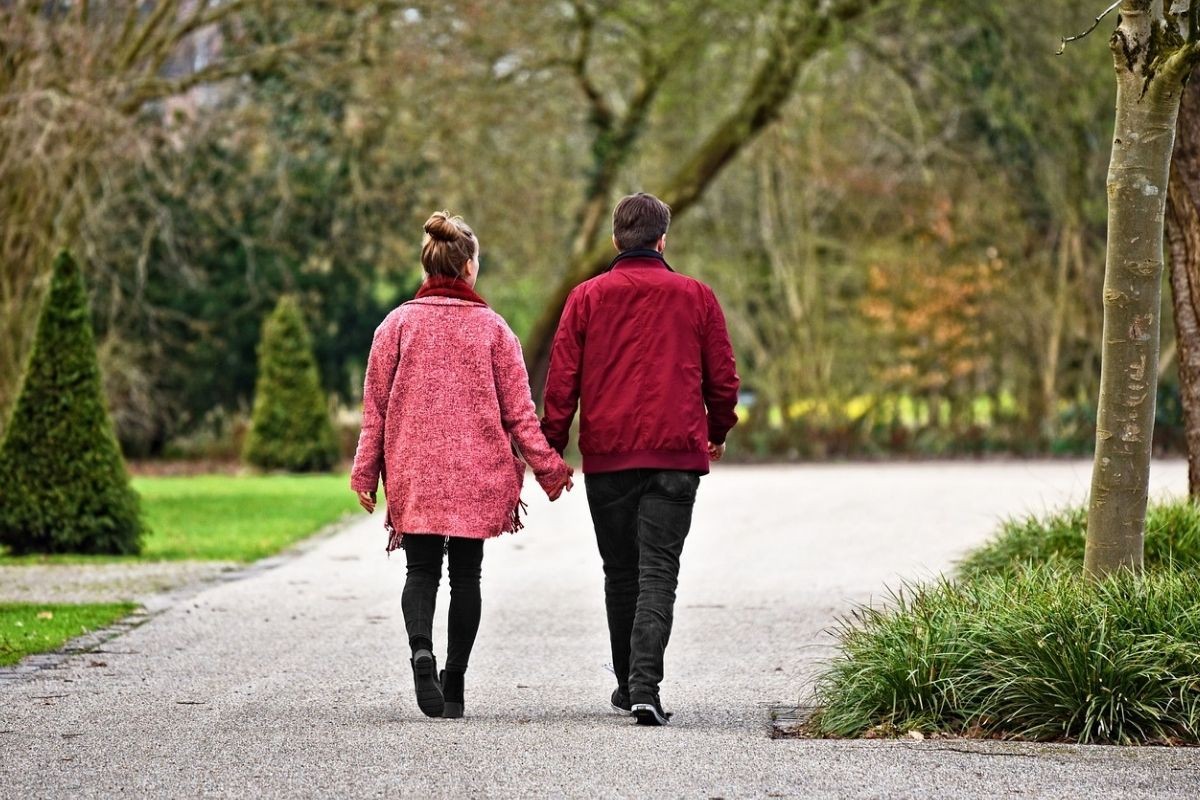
[(641, 252)]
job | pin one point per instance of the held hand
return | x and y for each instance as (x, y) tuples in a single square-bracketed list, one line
[(567, 484), (367, 501), (716, 451)]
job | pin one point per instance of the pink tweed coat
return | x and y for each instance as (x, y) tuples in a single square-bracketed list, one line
[(446, 398)]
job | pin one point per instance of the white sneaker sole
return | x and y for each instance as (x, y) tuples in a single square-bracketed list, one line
[(647, 714)]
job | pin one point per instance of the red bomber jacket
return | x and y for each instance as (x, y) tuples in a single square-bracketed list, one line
[(645, 353)]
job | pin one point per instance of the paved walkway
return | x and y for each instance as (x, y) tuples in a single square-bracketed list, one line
[(295, 682)]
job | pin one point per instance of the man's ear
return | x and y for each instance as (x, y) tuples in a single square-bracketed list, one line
[(661, 245), (616, 246)]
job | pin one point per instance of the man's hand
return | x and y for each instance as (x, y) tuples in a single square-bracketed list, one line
[(367, 501), (567, 484), (716, 451)]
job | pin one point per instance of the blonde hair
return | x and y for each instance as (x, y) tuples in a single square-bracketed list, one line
[(448, 244)]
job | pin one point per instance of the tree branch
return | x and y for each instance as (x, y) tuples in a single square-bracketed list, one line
[(801, 30), (158, 88), (1067, 39), (601, 116), (157, 17), (202, 16), (127, 28), (794, 43), (1178, 66), (205, 15)]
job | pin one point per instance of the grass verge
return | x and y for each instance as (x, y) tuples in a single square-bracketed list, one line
[(226, 517), (1041, 654), (28, 628), (1172, 538), (1021, 646)]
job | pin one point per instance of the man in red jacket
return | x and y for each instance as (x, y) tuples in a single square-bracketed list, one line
[(645, 353)]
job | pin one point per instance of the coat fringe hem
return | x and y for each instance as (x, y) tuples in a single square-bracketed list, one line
[(511, 525)]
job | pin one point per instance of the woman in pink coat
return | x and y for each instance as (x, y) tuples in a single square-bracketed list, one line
[(446, 406)]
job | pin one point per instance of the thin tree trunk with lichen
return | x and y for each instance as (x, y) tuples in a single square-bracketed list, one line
[(1183, 240), (1151, 58)]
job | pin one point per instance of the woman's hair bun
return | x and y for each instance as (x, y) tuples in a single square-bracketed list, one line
[(448, 244), (442, 226)]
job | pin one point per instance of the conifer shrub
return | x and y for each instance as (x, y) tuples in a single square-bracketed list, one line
[(290, 428), (63, 483)]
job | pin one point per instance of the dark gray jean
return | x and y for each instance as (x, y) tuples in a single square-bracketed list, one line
[(642, 517)]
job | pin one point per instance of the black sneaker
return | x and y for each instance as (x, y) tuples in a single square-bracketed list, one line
[(649, 711), (620, 701), (429, 693)]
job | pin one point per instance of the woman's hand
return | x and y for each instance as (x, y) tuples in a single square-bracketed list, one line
[(367, 501), (567, 484)]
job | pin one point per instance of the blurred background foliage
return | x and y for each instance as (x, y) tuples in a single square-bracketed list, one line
[(910, 252)]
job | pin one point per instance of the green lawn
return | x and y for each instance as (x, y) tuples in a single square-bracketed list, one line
[(27, 628), (227, 517)]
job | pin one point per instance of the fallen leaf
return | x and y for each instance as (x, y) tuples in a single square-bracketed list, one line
[(916, 735), (45, 615)]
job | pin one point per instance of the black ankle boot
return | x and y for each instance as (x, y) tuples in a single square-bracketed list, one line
[(429, 693), (452, 691)]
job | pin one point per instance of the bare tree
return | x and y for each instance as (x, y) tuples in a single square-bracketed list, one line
[(1154, 47), (799, 30), (84, 87)]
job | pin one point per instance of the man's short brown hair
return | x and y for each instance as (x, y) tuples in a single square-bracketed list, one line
[(639, 221)]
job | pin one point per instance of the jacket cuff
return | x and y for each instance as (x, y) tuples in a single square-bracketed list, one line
[(551, 479), (361, 484)]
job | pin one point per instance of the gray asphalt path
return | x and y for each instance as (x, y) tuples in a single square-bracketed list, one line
[(294, 682)]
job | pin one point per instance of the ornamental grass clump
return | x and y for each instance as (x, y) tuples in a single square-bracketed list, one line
[(290, 427), (1042, 654), (63, 483), (1057, 538)]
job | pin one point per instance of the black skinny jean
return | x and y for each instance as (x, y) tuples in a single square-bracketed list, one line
[(424, 554), (642, 517)]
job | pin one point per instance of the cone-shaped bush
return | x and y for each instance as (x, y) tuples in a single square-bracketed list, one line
[(63, 484), (290, 428)]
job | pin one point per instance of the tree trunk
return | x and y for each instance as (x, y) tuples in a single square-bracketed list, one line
[(1149, 83), (1047, 420), (1183, 238)]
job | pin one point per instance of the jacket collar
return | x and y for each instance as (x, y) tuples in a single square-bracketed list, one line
[(641, 254), (454, 288)]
